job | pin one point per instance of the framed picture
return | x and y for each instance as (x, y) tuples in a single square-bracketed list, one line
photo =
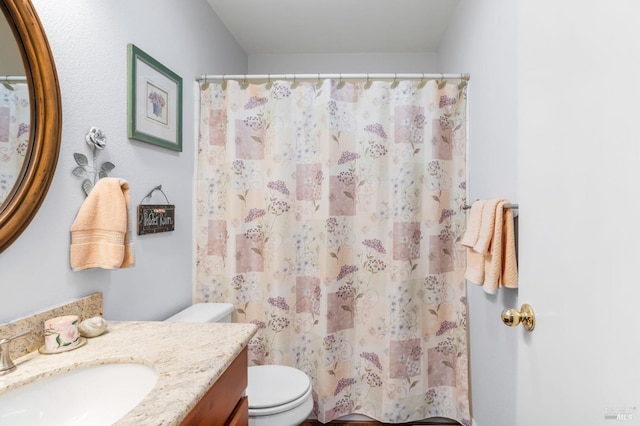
[(154, 101)]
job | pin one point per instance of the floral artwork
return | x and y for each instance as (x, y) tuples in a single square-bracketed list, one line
[(154, 104), (157, 103), (329, 214)]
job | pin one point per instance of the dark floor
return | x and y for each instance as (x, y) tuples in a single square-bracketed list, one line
[(375, 423)]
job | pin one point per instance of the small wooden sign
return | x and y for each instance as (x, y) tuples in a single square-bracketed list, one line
[(156, 218)]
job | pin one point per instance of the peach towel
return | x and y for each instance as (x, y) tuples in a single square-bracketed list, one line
[(493, 257), (487, 226), (100, 234), (490, 239), (475, 260), (509, 276), (473, 224)]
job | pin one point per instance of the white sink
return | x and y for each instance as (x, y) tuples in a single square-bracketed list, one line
[(94, 395)]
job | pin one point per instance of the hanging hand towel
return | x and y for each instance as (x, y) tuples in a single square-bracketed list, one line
[(493, 258), (475, 260), (480, 229), (100, 234), (509, 263), (490, 239), (470, 236), (487, 226)]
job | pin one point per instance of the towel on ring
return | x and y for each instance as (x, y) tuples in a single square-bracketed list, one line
[(475, 260), (490, 239), (493, 256), (509, 276), (470, 236), (487, 225), (100, 234)]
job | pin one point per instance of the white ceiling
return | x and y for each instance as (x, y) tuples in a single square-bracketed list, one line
[(336, 26)]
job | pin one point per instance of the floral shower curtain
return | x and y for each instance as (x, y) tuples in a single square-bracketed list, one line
[(15, 121), (329, 214)]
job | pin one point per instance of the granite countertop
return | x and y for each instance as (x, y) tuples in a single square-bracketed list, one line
[(188, 357)]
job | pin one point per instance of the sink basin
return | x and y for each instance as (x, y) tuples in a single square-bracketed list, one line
[(94, 395)]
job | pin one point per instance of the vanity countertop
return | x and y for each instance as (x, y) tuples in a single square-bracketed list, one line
[(188, 357)]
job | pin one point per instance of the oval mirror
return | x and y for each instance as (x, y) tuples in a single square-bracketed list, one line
[(41, 138)]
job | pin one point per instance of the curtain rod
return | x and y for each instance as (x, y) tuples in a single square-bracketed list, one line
[(12, 78), (372, 76)]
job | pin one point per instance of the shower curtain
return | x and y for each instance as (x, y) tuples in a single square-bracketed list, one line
[(329, 214), (14, 133)]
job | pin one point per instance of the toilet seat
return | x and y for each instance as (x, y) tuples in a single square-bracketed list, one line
[(275, 389)]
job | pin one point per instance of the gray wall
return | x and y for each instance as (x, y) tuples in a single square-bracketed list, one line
[(89, 42), (481, 40), (343, 63)]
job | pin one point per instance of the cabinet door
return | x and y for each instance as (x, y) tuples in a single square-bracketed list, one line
[(240, 416)]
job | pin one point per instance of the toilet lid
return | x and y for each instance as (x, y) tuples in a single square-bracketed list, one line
[(275, 385)]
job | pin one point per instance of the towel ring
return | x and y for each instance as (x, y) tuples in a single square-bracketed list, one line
[(506, 206)]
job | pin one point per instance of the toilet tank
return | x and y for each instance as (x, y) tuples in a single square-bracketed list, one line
[(204, 312)]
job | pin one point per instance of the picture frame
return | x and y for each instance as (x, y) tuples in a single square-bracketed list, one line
[(154, 101)]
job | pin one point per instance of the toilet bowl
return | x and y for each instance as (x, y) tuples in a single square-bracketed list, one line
[(278, 395)]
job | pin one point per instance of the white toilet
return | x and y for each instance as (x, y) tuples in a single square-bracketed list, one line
[(278, 395)]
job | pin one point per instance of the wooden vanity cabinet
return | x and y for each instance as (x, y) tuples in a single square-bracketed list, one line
[(225, 403)]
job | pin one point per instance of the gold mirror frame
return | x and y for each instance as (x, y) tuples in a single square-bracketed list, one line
[(46, 121)]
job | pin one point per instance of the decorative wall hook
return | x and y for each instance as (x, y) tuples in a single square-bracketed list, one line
[(96, 139), (150, 193)]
